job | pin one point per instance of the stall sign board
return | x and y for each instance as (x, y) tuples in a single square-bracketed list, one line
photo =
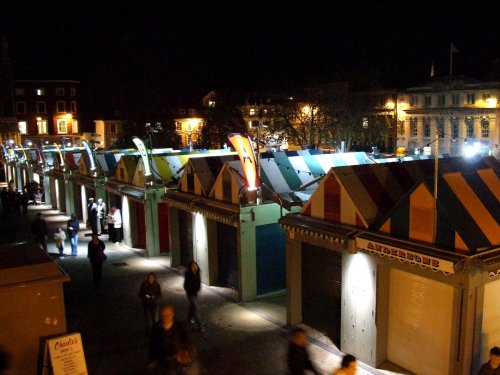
[(66, 355)]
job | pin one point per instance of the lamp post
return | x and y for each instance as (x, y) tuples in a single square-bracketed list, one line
[(150, 129)]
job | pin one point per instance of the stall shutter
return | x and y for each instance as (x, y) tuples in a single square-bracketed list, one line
[(270, 243), (490, 336), (322, 290), (186, 236), (420, 316), (227, 255)]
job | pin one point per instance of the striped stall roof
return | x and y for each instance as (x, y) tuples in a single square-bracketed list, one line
[(468, 211), (126, 167), (72, 159), (201, 173), (364, 195)]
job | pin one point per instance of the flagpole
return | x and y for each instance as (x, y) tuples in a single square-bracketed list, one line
[(451, 57)]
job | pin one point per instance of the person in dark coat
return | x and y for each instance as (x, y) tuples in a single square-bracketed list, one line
[(92, 215), (39, 230), (167, 336), (492, 367), (150, 293), (73, 227), (192, 285), (24, 201), (97, 257), (5, 200), (297, 357)]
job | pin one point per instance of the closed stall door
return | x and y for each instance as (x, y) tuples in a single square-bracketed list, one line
[(227, 255), (270, 241), (186, 236), (490, 335), (420, 317), (322, 290)]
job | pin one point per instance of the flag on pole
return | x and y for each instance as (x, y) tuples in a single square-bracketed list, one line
[(432, 69)]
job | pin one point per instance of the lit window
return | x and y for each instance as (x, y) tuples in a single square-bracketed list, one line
[(74, 127), (471, 99), (60, 91), (485, 127), (427, 127), (211, 103), (469, 127), (41, 124), (41, 107), (486, 97), (178, 126), (454, 127), (61, 107), (19, 91), (188, 127), (413, 127), (73, 107), (23, 128), (21, 107), (62, 127), (252, 112), (40, 92)]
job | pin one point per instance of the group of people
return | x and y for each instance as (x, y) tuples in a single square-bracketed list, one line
[(170, 351), (14, 202), (100, 222)]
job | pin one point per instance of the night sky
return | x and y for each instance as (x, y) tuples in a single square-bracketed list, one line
[(219, 44)]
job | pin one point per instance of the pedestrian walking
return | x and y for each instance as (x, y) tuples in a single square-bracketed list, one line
[(97, 257), (150, 294), (298, 357), (92, 215), (167, 336), (39, 230), (192, 285), (59, 238), (25, 201), (348, 366), (492, 367), (73, 227)]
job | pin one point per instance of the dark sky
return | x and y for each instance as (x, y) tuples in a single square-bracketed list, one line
[(216, 44)]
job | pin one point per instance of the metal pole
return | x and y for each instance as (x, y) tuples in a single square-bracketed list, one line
[(436, 166)]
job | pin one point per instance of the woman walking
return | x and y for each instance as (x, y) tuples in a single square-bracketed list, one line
[(97, 257), (150, 293), (192, 284), (59, 238)]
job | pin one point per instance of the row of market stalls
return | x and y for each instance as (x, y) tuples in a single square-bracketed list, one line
[(390, 273), (359, 245)]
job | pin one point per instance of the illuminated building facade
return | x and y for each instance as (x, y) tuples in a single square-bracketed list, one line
[(464, 111)]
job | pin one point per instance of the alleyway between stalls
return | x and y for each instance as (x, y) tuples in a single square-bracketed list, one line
[(241, 338)]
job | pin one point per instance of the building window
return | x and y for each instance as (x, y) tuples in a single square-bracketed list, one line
[(19, 91), (428, 101), (72, 91), (192, 111), (441, 100), (413, 127), (20, 107), (469, 127), (60, 91), (441, 127), (112, 128), (41, 125), (455, 99), (485, 127), (73, 107), (182, 111), (23, 128), (252, 112), (188, 127), (486, 97), (454, 128), (62, 127), (61, 107), (41, 107), (427, 127), (74, 127), (178, 126), (471, 99), (211, 104)]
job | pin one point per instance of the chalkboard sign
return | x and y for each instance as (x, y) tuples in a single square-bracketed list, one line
[(64, 356)]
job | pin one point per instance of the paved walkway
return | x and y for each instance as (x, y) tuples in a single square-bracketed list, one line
[(241, 338)]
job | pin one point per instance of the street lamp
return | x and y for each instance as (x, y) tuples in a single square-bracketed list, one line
[(150, 129)]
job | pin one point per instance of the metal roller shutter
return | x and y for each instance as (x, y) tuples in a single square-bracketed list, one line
[(227, 255), (186, 236), (322, 290)]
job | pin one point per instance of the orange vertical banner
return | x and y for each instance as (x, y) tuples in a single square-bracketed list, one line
[(243, 147)]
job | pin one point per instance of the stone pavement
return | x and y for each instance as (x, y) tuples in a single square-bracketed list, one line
[(241, 338)]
